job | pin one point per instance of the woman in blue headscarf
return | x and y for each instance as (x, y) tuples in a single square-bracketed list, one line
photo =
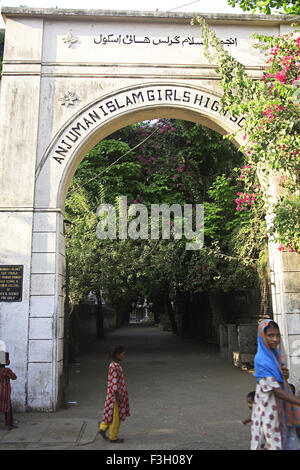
[(274, 415)]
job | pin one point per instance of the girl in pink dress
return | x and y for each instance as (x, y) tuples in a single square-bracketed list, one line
[(6, 375), (116, 406)]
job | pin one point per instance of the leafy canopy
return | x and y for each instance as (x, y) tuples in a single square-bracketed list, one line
[(268, 7)]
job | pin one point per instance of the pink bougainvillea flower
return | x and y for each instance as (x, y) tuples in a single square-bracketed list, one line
[(282, 179), (274, 50), (281, 76)]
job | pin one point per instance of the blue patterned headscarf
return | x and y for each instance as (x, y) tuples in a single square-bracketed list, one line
[(267, 362)]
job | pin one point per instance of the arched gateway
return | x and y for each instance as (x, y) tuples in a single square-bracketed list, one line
[(71, 78)]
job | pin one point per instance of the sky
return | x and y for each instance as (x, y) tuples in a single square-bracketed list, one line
[(201, 6)]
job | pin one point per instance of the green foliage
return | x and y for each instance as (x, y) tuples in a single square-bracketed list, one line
[(287, 223), (180, 163), (81, 245), (99, 158), (271, 105), (220, 215), (211, 269), (272, 124), (267, 7)]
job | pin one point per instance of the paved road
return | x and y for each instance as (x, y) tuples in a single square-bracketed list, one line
[(183, 396)]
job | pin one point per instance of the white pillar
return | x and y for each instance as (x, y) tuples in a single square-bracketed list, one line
[(20, 95), (285, 284)]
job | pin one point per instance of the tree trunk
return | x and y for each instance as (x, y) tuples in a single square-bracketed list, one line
[(170, 312), (100, 328), (183, 307)]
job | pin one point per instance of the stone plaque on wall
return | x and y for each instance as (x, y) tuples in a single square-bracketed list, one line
[(11, 283)]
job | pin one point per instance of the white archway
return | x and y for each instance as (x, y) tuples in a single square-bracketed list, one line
[(56, 168), (114, 111), (63, 90)]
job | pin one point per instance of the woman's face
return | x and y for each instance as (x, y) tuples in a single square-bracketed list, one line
[(272, 337)]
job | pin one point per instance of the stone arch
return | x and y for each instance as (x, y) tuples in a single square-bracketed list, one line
[(119, 109), (118, 83), (72, 142)]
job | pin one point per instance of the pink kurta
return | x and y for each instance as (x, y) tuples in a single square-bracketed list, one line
[(116, 383), (6, 375)]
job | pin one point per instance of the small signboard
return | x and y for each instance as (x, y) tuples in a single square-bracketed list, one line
[(11, 283)]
